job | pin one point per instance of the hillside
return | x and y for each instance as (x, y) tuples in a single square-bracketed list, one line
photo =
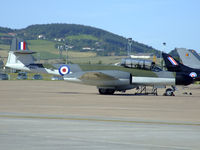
[(76, 38)]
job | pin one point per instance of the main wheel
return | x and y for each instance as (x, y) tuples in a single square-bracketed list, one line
[(106, 91), (169, 92)]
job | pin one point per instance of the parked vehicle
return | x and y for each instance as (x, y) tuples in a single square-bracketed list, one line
[(57, 78), (22, 76), (37, 77), (3, 76)]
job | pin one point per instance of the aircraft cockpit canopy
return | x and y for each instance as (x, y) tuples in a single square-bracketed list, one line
[(140, 64)]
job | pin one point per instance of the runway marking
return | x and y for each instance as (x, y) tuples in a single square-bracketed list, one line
[(99, 120)]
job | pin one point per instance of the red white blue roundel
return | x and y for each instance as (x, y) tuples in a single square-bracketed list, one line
[(193, 74), (64, 69)]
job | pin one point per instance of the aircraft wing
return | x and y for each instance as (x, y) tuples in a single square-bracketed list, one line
[(101, 78), (96, 76)]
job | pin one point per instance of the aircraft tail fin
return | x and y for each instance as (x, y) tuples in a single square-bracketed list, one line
[(19, 55), (18, 44), (172, 64), (189, 58)]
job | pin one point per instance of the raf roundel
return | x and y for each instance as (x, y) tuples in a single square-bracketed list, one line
[(193, 74), (64, 69)]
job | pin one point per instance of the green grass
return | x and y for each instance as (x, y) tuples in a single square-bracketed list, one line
[(79, 55), (96, 60), (42, 45), (82, 37), (4, 50), (46, 55), (47, 50), (3, 34), (4, 47)]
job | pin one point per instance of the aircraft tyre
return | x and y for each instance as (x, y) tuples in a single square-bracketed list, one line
[(169, 92), (106, 91)]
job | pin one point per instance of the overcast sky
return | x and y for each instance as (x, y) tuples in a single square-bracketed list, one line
[(152, 22)]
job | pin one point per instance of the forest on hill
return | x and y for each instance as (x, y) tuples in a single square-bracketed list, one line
[(76, 37)]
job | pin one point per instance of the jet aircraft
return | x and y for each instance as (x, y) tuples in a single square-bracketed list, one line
[(107, 78)]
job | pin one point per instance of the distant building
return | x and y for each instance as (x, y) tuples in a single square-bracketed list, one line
[(111, 54), (41, 37), (68, 46), (142, 55), (12, 34), (87, 48), (59, 39)]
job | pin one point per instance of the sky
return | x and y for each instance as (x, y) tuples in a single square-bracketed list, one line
[(152, 22)]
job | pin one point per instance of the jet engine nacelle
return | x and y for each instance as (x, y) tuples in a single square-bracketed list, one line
[(137, 63)]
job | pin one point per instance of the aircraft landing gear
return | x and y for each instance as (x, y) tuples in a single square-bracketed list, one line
[(106, 91), (170, 91)]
